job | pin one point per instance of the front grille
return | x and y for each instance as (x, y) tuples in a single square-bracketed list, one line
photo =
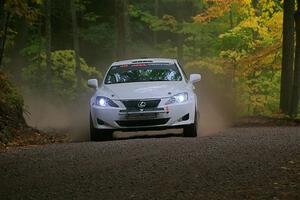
[(140, 123), (133, 105)]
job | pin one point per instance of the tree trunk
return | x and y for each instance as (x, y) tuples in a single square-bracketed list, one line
[(75, 39), (41, 48), (48, 44), (4, 19), (180, 41), (121, 29), (256, 4), (179, 36), (231, 18), (40, 40), (156, 13), (296, 84), (127, 26), (194, 47), (2, 24), (287, 56)]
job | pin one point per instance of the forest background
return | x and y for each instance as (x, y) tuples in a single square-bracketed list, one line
[(245, 49)]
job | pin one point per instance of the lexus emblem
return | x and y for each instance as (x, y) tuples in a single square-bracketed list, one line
[(142, 104)]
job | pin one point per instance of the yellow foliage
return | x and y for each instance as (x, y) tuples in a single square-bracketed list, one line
[(213, 65), (219, 8)]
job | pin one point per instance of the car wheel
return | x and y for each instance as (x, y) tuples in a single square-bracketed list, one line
[(99, 135), (192, 129)]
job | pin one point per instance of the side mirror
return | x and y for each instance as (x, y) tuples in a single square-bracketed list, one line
[(195, 78), (93, 83)]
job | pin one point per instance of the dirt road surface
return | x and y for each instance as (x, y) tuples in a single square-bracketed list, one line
[(238, 163)]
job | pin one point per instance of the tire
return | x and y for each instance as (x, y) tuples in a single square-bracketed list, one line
[(99, 135), (192, 129)]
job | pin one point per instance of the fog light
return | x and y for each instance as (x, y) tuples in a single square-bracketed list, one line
[(186, 117), (100, 122)]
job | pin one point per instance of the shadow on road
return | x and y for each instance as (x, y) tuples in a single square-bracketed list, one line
[(147, 134)]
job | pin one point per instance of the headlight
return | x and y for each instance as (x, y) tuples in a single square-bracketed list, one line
[(105, 102), (178, 98)]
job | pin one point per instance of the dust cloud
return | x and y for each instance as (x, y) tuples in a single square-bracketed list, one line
[(215, 102), (213, 117), (59, 117)]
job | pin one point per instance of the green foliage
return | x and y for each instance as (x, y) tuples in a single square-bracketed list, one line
[(166, 23), (11, 109), (259, 94), (99, 34), (23, 8), (63, 80)]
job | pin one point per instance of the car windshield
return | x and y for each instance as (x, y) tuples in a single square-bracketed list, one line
[(143, 72)]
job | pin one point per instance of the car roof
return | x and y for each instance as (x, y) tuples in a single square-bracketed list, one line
[(144, 60)]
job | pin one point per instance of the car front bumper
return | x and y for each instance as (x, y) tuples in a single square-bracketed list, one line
[(166, 116)]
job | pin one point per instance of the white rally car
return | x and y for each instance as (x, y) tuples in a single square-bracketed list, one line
[(143, 94)]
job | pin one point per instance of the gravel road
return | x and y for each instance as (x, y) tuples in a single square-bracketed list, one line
[(238, 163)]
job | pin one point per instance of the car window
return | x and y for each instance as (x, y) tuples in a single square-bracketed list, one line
[(143, 72)]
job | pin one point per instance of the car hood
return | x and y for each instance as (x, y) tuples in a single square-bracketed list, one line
[(142, 90)]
